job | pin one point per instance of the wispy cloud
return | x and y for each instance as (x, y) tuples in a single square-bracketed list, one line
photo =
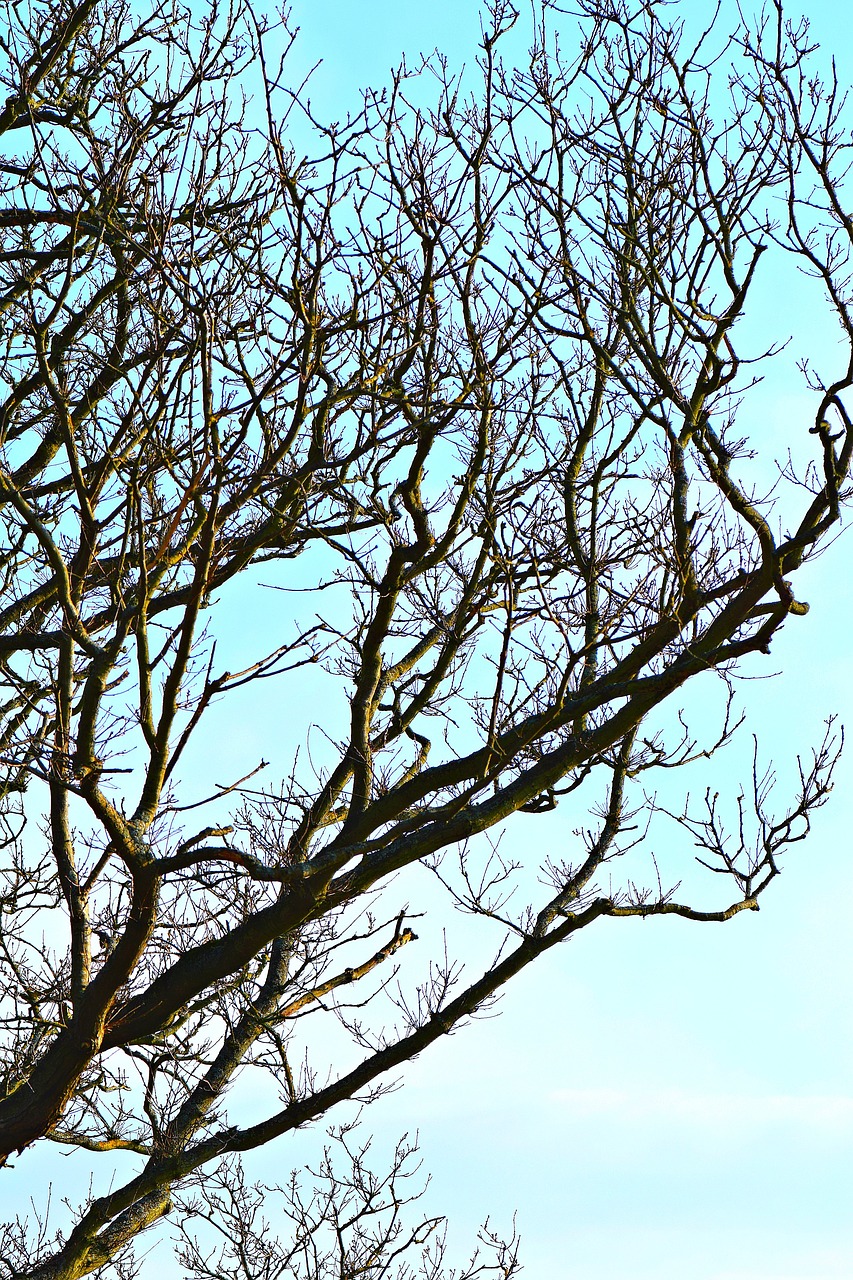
[(828, 1112)]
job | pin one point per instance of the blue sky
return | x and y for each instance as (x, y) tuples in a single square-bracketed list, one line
[(662, 1099)]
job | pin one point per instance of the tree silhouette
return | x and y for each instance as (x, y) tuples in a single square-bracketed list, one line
[(470, 360)]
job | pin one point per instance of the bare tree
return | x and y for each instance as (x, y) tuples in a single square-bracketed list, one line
[(471, 356)]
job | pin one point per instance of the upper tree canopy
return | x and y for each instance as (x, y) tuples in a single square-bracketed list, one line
[(473, 355)]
